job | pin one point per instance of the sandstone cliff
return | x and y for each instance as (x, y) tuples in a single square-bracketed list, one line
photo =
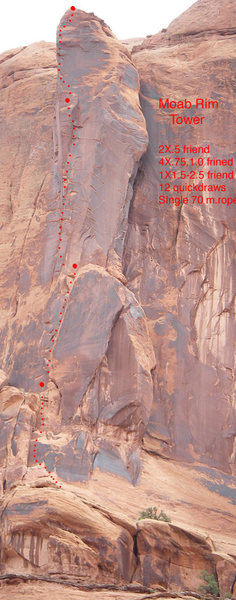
[(134, 343)]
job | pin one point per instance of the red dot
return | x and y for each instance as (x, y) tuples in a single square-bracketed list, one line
[(41, 384), (72, 8), (74, 266), (67, 100)]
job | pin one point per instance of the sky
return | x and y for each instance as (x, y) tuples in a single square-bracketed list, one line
[(26, 21)]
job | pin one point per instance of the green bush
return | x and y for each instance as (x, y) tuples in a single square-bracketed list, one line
[(151, 513), (163, 517), (227, 595), (210, 585)]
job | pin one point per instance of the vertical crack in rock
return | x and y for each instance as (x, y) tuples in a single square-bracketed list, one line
[(60, 394), (24, 242), (136, 556), (178, 225), (136, 183)]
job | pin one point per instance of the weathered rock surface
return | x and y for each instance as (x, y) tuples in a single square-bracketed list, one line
[(72, 532), (139, 405), (178, 260), (3, 379), (173, 557), (39, 589), (18, 417), (204, 16), (55, 527)]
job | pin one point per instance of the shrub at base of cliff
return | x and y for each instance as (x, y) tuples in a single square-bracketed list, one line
[(151, 513), (210, 586)]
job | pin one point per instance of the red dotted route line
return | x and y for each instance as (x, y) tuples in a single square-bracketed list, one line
[(49, 360)]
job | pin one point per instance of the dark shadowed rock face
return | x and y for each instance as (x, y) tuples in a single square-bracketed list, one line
[(143, 361)]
